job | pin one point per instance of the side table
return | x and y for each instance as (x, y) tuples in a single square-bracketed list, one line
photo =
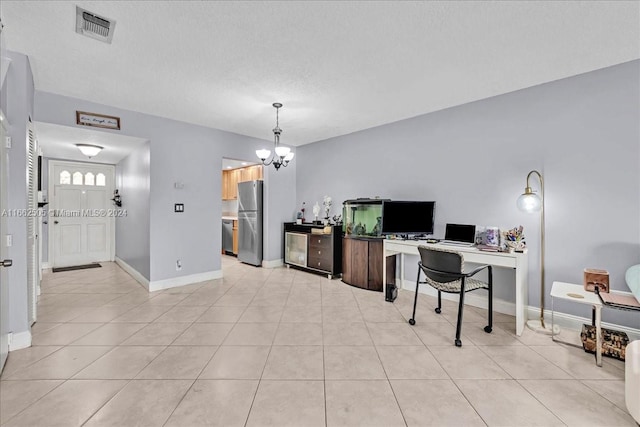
[(577, 294)]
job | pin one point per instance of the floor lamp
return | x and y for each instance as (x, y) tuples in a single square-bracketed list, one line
[(529, 201)]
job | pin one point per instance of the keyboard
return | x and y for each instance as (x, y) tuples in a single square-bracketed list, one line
[(455, 243)]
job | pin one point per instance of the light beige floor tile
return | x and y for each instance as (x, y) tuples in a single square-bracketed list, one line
[(467, 362), (341, 314), (18, 395), (178, 363), (261, 314), (410, 362), (506, 403), (346, 334), (182, 314), (251, 334), (102, 314), (142, 314), (237, 362), (577, 405), (199, 299), (476, 334), (121, 363), (18, 359), (351, 363), (523, 363), (224, 403), (142, 402), (468, 315), (434, 403), (612, 390), (270, 299), (333, 299), (71, 404), (234, 300), (167, 299), (204, 334), (299, 334), (157, 334), (362, 403), (302, 314), (110, 334), (386, 313), (63, 364), (294, 363), (393, 334), (64, 334), (288, 403), (439, 334), (221, 315), (40, 327), (577, 363)]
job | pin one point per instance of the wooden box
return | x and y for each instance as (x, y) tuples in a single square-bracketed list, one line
[(614, 343), (594, 277)]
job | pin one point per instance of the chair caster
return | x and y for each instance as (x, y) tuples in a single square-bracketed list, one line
[(458, 343), (487, 329), (438, 310), (412, 322)]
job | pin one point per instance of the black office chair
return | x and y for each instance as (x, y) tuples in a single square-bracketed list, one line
[(444, 270)]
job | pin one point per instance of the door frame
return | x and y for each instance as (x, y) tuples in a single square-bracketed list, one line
[(50, 188), (4, 299)]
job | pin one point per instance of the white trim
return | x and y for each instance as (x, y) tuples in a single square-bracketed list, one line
[(46, 266), (563, 320), (157, 285), (133, 273), (273, 264), (20, 340)]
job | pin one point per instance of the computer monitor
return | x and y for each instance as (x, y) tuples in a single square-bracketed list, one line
[(407, 217)]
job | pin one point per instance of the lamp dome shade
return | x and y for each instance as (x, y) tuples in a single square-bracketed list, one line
[(282, 151), (263, 154), (89, 150), (529, 202)]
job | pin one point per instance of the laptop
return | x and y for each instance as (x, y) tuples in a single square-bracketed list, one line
[(459, 235)]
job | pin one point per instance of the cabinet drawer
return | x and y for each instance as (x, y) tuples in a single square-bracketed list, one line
[(319, 242), (320, 262)]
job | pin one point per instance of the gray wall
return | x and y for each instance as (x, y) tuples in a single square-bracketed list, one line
[(132, 230), (192, 155), (582, 133), (18, 89)]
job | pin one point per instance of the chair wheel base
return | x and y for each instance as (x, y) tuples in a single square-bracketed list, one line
[(412, 322), (487, 329), (458, 343), (438, 310)]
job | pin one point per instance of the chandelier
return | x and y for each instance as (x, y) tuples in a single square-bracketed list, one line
[(282, 155)]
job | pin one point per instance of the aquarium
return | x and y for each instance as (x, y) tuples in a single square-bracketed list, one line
[(362, 217)]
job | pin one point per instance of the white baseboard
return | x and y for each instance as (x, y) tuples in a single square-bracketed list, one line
[(564, 320), (158, 285), (45, 266), (20, 340), (133, 273), (273, 264)]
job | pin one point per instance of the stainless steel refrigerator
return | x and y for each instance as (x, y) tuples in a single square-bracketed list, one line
[(250, 222)]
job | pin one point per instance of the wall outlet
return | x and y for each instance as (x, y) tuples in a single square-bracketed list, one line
[(9, 240), (178, 265), (178, 207)]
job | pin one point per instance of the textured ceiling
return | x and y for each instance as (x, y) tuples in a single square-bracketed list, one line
[(338, 67)]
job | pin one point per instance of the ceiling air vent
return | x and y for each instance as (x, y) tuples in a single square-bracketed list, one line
[(94, 26)]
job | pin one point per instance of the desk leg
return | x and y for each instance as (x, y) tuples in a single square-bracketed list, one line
[(384, 274), (400, 280), (598, 336), (522, 296)]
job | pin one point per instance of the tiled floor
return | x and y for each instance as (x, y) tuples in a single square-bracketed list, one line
[(282, 347)]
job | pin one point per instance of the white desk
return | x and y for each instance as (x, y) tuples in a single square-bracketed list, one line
[(517, 261)]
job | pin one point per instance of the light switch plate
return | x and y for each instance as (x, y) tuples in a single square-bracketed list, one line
[(178, 207), (9, 240)]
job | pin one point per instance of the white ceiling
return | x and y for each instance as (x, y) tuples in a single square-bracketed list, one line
[(338, 67), (59, 142)]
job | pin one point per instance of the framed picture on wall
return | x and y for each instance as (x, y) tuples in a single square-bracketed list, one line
[(97, 120)]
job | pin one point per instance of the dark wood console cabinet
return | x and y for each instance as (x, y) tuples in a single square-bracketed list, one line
[(362, 263), (319, 253)]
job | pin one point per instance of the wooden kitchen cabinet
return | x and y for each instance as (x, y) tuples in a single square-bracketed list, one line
[(231, 178)]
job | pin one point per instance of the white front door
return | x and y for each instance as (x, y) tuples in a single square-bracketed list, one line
[(82, 215), (4, 282)]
